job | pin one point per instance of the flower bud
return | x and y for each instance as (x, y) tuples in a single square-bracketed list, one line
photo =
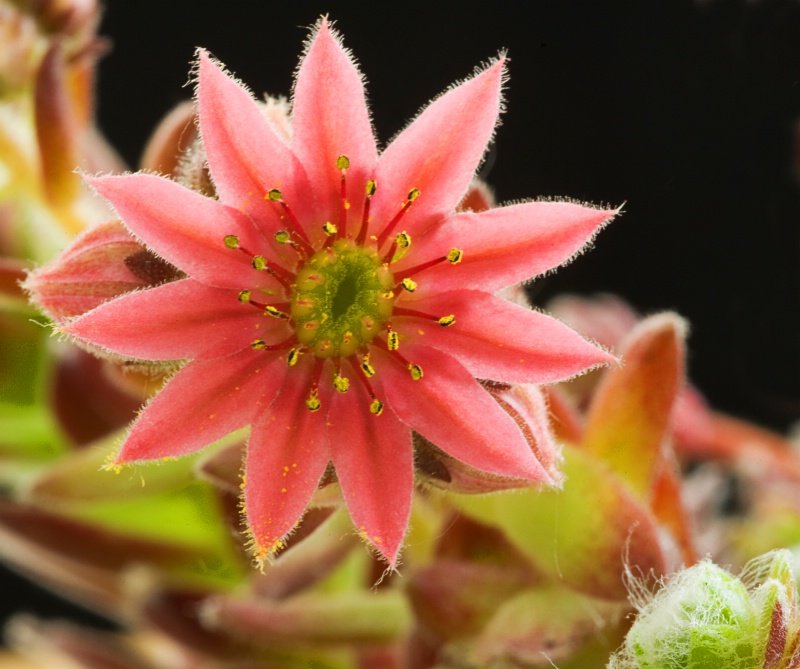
[(102, 263), (526, 405), (703, 617)]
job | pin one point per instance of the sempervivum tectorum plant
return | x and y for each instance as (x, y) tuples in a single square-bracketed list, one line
[(334, 299)]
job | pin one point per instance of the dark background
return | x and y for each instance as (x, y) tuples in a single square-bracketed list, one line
[(686, 112)]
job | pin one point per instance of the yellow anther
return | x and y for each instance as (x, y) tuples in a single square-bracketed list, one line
[(274, 195), (409, 284), (282, 237), (330, 229), (244, 296), (388, 296), (447, 321), (416, 371), (342, 163), (313, 402), (455, 255), (403, 240), (372, 186), (376, 407), (368, 369), (341, 383), (259, 263), (393, 341), (232, 241), (294, 356), (269, 310), (258, 344), (413, 194)]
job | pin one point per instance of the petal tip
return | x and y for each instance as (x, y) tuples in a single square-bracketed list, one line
[(388, 551)]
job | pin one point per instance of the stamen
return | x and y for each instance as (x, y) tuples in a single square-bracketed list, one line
[(444, 321), (413, 194), (369, 370), (276, 196), (341, 383), (313, 402), (409, 284), (371, 187), (401, 242), (260, 344), (275, 312), (454, 256), (413, 369), (376, 406), (294, 356), (285, 237), (261, 264), (251, 302), (278, 310), (330, 229), (343, 163), (393, 341)]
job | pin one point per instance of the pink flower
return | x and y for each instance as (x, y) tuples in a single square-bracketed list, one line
[(335, 301)]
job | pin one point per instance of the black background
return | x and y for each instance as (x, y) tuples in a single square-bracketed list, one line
[(685, 111)]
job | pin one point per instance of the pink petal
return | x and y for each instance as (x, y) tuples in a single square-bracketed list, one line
[(203, 402), (496, 339), (286, 457), (438, 153), (182, 319), (507, 245), (331, 119), (451, 409), (246, 157), (374, 461), (186, 228)]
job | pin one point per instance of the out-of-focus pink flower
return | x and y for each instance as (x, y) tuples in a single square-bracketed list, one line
[(335, 300)]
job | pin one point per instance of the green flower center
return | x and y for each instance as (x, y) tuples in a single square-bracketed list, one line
[(341, 300)]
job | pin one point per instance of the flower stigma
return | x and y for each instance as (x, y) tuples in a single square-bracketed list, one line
[(341, 299)]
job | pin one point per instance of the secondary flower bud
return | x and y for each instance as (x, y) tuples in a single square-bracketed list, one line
[(101, 263)]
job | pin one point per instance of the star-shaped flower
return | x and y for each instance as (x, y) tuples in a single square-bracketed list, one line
[(335, 301)]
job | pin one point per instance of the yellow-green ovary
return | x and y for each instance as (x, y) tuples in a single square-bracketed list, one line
[(342, 299)]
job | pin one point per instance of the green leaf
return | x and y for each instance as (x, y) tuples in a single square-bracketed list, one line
[(583, 535)]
